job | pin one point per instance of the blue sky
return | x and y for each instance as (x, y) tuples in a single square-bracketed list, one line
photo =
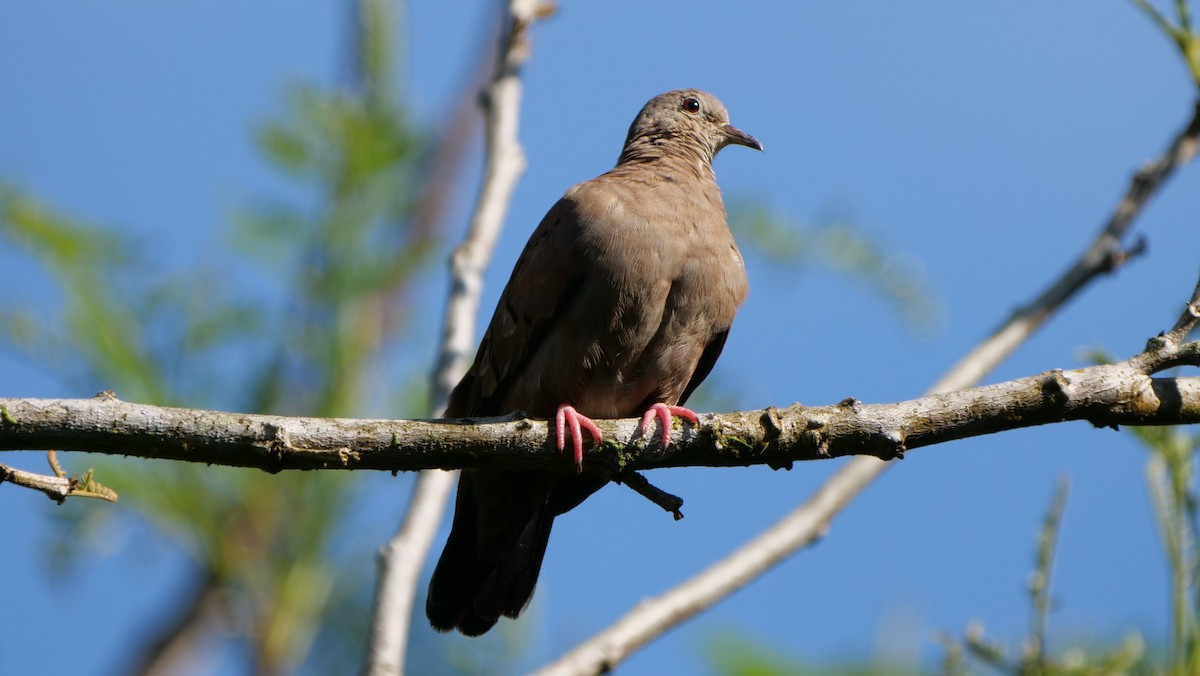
[(986, 142)]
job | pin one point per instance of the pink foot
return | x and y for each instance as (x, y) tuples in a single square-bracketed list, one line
[(664, 412), (567, 415)]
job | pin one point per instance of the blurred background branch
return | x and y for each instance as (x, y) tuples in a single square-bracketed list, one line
[(402, 559)]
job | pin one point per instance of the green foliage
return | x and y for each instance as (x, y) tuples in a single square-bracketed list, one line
[(1033, 658), (1171, 475), (334, 266), (98, 322), (842, 247), (1180, 32), (734, 655), (1171, 479)]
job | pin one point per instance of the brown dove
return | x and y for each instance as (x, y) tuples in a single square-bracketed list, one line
[(617, 307)]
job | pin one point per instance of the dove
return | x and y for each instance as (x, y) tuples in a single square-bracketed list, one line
[(617, 307)]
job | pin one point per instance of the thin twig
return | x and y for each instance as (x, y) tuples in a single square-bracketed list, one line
[(809, 521), (640, 484), (1039, 583), (1187, 320), (57, 488), (1180, 34), (1157, 17)]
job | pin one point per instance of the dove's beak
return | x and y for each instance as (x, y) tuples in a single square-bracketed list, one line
[(736, 136)]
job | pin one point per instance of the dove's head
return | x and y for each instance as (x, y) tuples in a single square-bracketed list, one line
[(686, 120)]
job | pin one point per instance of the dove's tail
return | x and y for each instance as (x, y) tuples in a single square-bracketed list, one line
[(469, 592)]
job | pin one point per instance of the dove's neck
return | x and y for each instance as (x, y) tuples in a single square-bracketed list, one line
[(670, 154)]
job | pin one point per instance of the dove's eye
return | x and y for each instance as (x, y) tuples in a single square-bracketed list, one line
[(691, 105)]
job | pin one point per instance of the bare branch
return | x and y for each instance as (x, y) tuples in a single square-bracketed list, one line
[(643, 487), (57, 488), (810, 520), (1107, 396), (1188, 320), (1105, 254), (401, 560), (504, 164), (398, 569)]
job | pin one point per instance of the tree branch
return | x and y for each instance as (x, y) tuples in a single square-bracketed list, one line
[(1106, 396), (643, 487), (57, 488)]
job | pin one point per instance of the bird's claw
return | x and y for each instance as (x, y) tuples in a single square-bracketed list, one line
[(664, 412), (568, 416)]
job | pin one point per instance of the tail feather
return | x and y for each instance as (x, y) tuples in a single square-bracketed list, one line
[(470, 592)]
